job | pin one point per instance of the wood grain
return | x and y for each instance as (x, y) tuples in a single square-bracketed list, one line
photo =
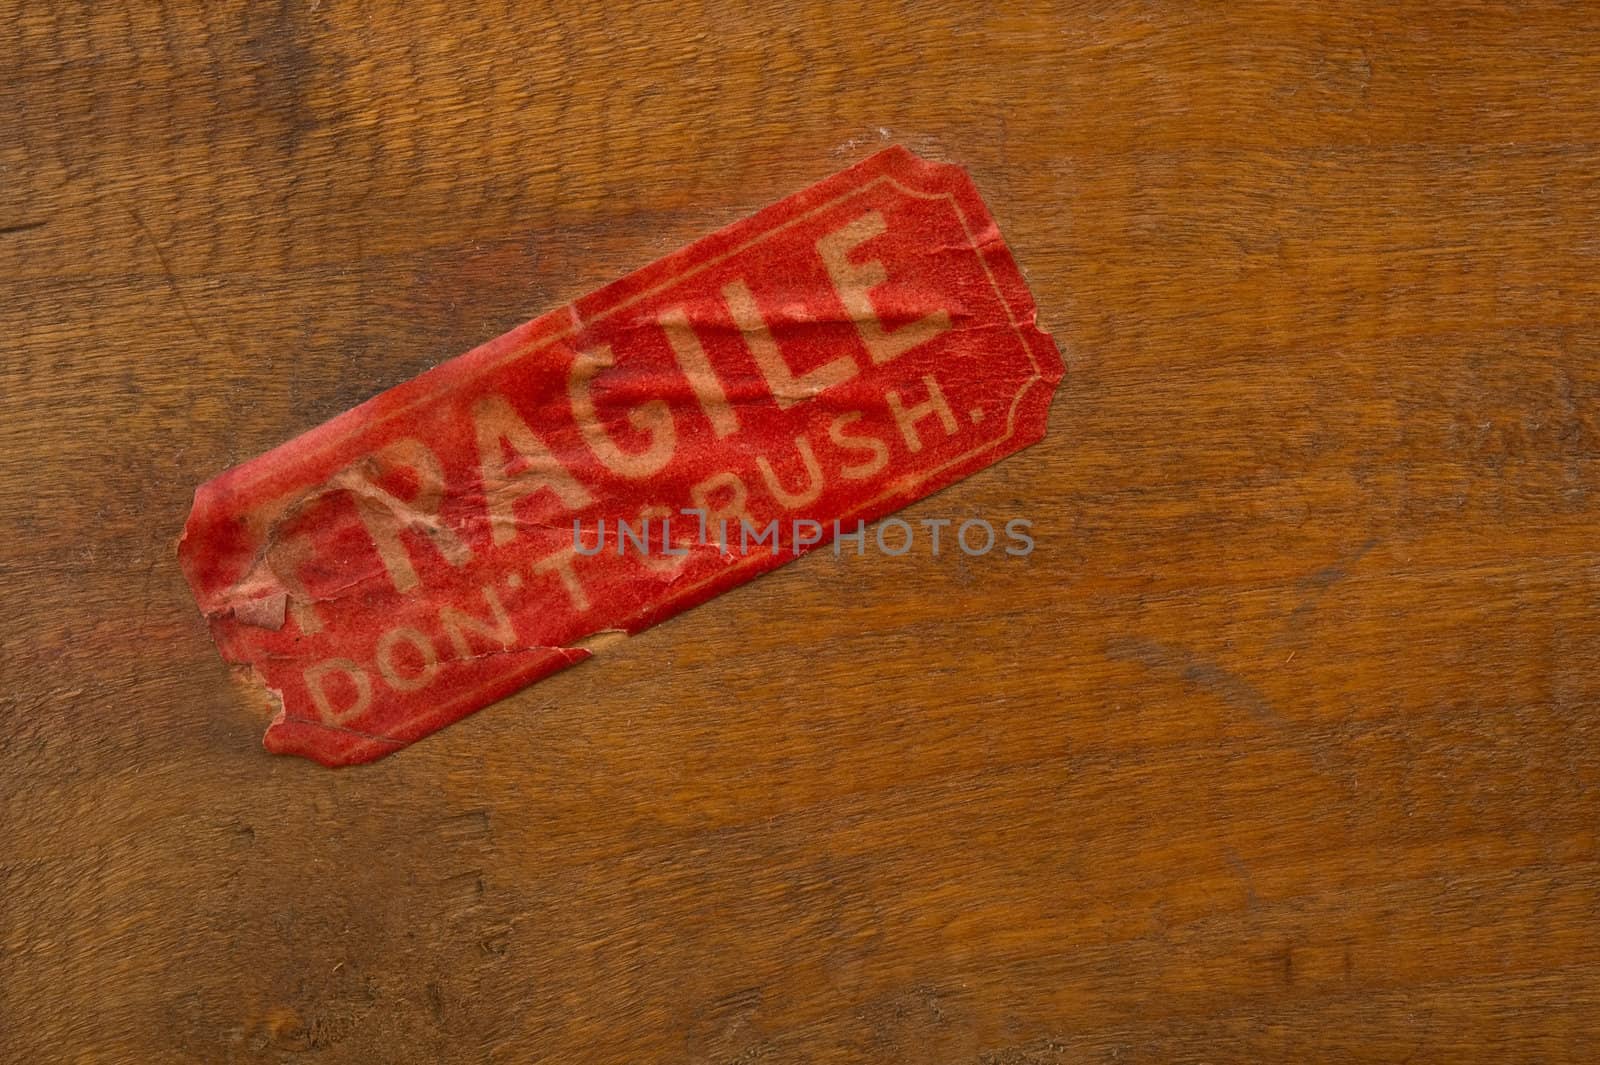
[(1281, 747)]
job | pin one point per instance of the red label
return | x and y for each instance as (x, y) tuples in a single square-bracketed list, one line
[(842, 353)]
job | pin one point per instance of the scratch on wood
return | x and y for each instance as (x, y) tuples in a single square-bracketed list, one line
[(1200, 672), (1232, 689), (1338, 570), (1312, 585), (171, 278)]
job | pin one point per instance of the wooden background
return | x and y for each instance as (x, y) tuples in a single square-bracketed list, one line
[(1281, 747)]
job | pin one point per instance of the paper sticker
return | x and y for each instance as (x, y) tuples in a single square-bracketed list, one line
[(838, 355)]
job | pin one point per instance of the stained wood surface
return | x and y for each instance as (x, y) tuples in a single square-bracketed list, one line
[(1282, 745)]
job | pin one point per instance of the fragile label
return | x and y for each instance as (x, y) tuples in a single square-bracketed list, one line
[(823, 363)]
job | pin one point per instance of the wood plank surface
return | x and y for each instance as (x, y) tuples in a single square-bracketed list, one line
[(1281, 746)]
